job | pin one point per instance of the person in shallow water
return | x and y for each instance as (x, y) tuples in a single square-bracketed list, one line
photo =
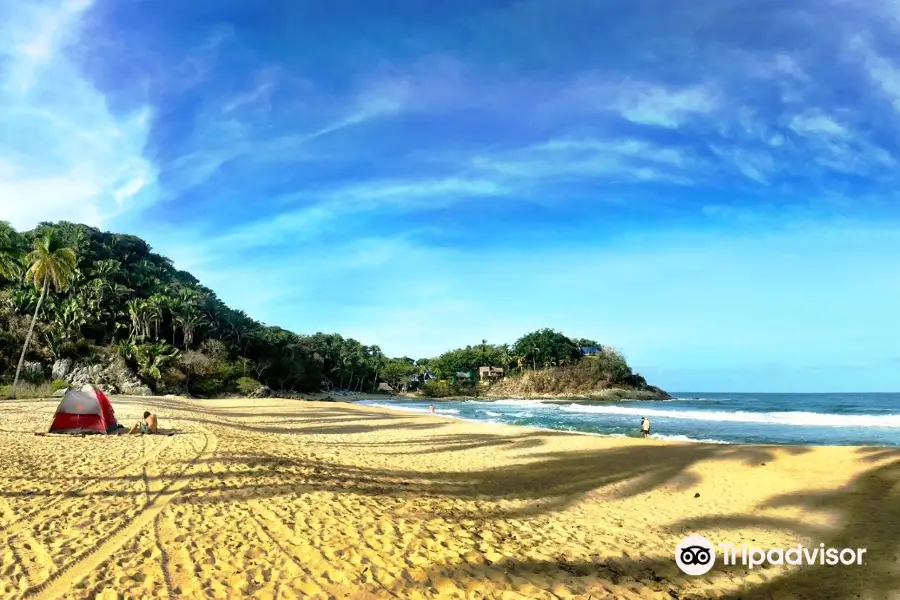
[(645, 427), (431, 409)]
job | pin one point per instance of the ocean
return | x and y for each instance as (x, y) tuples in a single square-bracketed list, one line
[(819, 419)]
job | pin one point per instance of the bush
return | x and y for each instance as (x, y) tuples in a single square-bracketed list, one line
[(247, 385), (444, 389), (32, 372), (208, 387), (59, 384)]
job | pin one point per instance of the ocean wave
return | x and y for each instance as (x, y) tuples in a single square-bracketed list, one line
[(797, 418), (692, 399), (491, 413), (684, 438), (412, 409), (516, 402)]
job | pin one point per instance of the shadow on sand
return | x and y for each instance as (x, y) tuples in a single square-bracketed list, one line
[(867, 509)]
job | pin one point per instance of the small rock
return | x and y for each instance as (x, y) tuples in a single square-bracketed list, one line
[(61, 368), (263, 392), (697, 495)]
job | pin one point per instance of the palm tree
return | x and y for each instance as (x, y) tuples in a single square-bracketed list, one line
[(377, 364), (186, 312), (139, 313), (49, 263), (156, 305), (10, 253), (153, 360)]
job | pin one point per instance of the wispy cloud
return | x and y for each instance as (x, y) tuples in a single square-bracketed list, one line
[(644, 102), (65, 155), (566, 158), (884, 73), (815, 124), (649, 104)]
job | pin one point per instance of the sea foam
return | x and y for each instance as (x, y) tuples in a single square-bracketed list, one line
[(798, 418)]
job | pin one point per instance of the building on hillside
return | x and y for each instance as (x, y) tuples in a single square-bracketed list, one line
[(490, 373), (591, 351), (419, 379), (463, 376)]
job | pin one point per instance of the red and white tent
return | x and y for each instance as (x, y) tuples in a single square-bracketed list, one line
[(84, 411)]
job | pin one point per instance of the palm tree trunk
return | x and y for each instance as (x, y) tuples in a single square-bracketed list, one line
[(28, 337)]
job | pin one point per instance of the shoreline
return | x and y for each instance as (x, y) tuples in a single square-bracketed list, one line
[(400, 408), (677, 439)]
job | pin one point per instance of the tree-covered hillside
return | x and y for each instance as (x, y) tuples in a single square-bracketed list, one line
[(120, 299)]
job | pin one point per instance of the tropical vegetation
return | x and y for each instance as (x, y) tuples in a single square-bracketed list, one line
[(70, 291)]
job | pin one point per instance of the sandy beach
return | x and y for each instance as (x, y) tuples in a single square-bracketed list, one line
[(289, 499)]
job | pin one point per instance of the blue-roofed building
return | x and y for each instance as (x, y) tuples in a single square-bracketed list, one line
[(591, 350)]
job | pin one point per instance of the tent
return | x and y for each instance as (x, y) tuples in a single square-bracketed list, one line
[(84, 411)]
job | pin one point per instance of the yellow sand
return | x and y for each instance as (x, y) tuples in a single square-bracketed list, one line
[(289, 499)]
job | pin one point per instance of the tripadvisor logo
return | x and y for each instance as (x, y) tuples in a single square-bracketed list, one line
[(695, 555)]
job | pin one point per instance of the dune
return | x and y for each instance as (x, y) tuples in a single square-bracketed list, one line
[(289, 499)]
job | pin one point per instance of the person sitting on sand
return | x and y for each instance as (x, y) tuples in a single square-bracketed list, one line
[(645, 427), (148, 426)]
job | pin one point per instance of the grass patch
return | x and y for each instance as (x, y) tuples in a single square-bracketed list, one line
[(29, 390)]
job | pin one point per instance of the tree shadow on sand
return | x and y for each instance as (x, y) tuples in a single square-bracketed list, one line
[(549, 482), (868, 510)]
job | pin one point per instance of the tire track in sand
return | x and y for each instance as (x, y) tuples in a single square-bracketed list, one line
[(63, 580), (268, 527), (177, 564), (77, 490), (33, 557), (271, 525)]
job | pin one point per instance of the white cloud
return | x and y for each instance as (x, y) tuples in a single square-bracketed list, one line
[(650, 104), (618, 159), (65, 155), (642, 102), (817, 124), (323, 210), (836, 147), (882, 71), (755, 165)]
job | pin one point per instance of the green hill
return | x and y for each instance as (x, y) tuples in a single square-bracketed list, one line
[(128, 319)]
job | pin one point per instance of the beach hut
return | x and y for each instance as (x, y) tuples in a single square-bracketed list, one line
[(84, 411)]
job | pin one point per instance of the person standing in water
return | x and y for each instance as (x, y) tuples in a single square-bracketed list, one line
[(431, 409), (645, 427)]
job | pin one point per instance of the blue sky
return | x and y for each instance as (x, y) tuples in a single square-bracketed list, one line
[(709, 185)]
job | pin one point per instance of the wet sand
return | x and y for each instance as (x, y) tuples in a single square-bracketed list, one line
[(291, 499)]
